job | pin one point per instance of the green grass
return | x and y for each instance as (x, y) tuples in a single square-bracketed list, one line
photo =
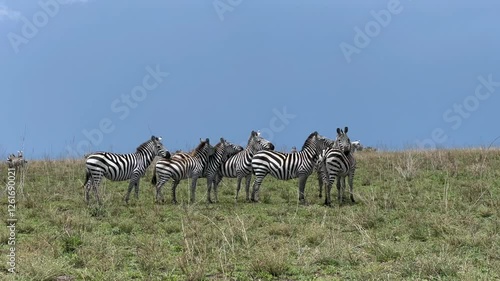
[(418, 216)]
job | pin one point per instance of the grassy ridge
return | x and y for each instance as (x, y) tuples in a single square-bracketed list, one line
[(419, 215)]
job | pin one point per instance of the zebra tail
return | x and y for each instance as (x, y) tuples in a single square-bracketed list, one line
[(153, 180)]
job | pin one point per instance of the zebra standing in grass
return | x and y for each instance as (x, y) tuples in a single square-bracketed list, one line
[(240, 165), (285, 166), (120, 167), (223, 150), (338, 161), (182, 167)]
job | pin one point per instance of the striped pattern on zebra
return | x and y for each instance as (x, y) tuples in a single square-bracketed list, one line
[(240, 165), (120, 167), (338, 162), (285, 166), (182, 167), (339, 141)]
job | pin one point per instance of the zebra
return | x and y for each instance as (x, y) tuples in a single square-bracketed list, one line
[(356, 146), (240, 165), (182, 167), (223, 150), (16, 161), (338, 162), (319, 169), (285, 166), (120, 167), (215, 162)]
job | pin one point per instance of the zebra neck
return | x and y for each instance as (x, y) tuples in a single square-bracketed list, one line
[(217, 156), (146, 156)]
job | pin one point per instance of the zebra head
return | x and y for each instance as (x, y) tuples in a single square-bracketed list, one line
[(258, 143), (342, 141), (229, 149), (204, 149), (159, 149)]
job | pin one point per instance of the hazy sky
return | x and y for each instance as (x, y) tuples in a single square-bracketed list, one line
[(78, 76)]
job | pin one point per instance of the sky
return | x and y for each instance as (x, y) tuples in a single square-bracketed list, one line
[(78, 76)]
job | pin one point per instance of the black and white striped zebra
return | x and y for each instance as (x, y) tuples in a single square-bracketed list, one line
[(331, 144), (338, 162), (240, 165), (120, 167), (182, 167), (285, 166), (222, 151)]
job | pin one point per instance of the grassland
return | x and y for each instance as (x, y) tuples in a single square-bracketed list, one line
[(419, 215)]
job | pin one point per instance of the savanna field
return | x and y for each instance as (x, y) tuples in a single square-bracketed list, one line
[(418, 216)]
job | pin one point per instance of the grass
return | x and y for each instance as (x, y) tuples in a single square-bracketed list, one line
[(419, 215)]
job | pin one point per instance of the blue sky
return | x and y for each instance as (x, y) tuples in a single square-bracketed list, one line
[(398, 73)]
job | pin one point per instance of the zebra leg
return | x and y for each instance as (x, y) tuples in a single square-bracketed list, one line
[(256, 187), (94, 187), (193, 189), (248, 180), (216, 192), (159, 196), (351, 188), (87, 187), (174, 187), (238, 187), (302, 187), (209, 189), (130, 187), (320, 183), (136, 188), (328, 189), (341, 188)]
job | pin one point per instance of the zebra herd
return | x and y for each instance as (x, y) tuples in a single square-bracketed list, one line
[(330, 158)]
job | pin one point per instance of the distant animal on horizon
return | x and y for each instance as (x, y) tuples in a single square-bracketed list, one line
[(14, 161), (120, 167), (356, 146)]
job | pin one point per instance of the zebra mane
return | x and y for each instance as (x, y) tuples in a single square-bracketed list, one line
[(308, 140), (143, 146), (199, 147)]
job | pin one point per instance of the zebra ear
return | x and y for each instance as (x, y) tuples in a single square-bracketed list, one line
[(222, 140), (153, 138), (207, 140), (338, 131), (254, 133), (345, 129)]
